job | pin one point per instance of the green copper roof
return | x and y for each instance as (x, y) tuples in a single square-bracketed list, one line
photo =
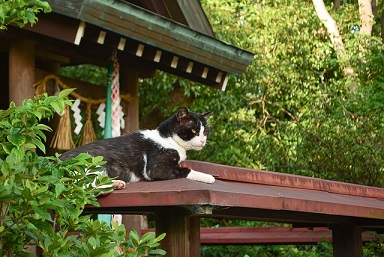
[(149, 28)]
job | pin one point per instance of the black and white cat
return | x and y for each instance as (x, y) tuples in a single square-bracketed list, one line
[(153, 154)]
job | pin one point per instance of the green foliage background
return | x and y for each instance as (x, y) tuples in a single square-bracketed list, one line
[(293, 110)]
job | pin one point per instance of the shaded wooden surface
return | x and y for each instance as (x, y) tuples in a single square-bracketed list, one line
[(347, 240), (21, 70)]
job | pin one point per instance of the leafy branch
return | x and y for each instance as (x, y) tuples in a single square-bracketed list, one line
[(42, 198), (21, 12)]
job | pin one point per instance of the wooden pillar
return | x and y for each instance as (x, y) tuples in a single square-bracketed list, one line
[(347, 241), (129, 82), (182, 233), (21, 70), (4, 81)]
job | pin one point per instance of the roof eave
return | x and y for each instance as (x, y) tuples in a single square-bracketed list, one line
[(151, 29)]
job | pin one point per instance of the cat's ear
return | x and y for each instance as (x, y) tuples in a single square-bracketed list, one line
[(207, 115), (183, 115)]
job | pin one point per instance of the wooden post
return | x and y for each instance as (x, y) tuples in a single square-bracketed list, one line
[(4, 81), (347, 241), (21, 70), (182, 233), (129, 82)]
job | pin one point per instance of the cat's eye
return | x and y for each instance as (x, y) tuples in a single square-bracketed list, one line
[(194, 131)]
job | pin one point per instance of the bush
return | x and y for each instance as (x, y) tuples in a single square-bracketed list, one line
[(42, 198)]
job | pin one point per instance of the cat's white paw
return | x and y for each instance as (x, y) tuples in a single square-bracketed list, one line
[(202, 177), (119, 184)]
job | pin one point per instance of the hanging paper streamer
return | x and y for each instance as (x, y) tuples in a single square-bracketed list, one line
[(101, 112), (63, 135), (122, 120), (77, 116)]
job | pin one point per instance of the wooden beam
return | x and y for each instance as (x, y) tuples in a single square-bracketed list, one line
[(101, 38), (121, 45), (183, 233), (140, 50), (79, 33), (190, 67), (21, 70), (347, 241), (175, 61), (267, 235)]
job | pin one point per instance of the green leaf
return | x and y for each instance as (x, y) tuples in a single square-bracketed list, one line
[(29, 145), (134, 237), (39, 144), (16, 139), (42, 213), (66, 92), (43, 127), (157, 252), (57, 107), (92, 242), (59, 188), (160, 237), (147, 236)]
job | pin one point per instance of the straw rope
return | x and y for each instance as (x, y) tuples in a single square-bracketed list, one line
[(62, 138)]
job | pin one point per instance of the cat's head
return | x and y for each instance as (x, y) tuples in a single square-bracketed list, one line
[(190, 130)]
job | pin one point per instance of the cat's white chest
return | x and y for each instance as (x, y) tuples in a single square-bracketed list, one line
[(167, 143)]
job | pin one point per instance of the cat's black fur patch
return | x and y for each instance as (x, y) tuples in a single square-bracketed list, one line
[(126, 154)]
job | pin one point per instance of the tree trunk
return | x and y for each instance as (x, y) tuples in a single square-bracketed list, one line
[(336, 5), (382, 26), (366, 16), (333, 31)]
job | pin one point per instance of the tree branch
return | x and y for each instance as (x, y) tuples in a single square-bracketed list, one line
[(366, 16), (334, 35)]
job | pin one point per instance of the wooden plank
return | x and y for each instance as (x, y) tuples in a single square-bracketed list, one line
[(249, 199), (267, 235), (238, 174)]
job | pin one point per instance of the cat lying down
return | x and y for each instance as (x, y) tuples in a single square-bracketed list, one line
[(152, 154)]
